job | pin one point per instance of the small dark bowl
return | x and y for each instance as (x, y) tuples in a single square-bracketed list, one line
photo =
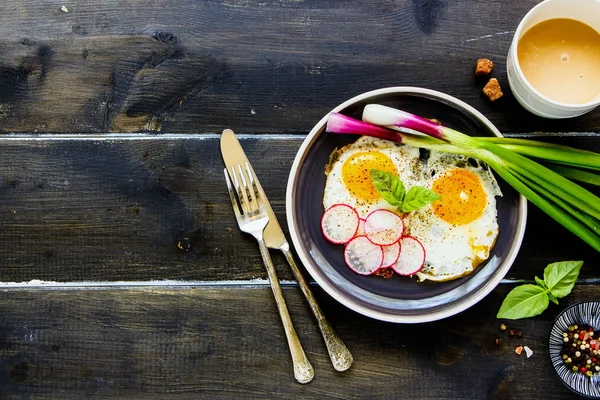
[(585, 312), (398, 299)]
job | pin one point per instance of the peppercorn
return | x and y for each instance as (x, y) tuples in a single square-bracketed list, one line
[(502, 327), (511, 332), (498, 341), (581, 355), (520, 333)]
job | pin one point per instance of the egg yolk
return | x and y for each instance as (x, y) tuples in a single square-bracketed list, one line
[(463, 199), (356, 172)]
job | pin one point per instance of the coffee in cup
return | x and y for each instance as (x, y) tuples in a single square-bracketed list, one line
[(553, 64)]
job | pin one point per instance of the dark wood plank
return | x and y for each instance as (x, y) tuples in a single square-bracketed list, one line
[(261, 66), (110, 210), (223, 343)]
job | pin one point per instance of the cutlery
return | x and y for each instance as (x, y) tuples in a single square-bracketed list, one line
[(252, 218), (340, 356)]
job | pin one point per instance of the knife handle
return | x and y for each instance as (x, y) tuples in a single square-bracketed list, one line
[(303, 370), (340, 356)]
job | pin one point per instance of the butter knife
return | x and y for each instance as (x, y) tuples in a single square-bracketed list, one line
[(340, 356)]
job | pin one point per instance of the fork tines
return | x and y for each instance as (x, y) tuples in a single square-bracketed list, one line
[(244, 186)]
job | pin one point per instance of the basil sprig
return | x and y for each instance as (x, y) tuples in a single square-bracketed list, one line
[(530, 300), (390, 187)]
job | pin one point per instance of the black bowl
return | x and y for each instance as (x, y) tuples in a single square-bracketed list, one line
[(398, 299), (585, 312)]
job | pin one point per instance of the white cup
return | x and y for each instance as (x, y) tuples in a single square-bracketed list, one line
[(586, 11)]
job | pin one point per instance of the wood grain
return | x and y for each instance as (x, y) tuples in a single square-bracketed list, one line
[(257, 66), (116, 210), (219, 343)]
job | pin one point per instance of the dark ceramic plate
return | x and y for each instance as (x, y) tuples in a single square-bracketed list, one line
[(587, 312), (398, 299)]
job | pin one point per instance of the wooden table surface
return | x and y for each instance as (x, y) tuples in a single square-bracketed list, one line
[(110, 116)]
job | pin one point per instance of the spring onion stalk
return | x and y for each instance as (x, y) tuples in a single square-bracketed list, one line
[(566, 195), (549, 208), (386, 116), (576, 174), (571, 205), (339, 123), (592, 223), (591, 161)]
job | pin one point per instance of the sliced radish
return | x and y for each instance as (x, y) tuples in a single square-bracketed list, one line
[(362, 256), (390, 254), (339, 223), (383, 227), (361, 227), (412, 256)]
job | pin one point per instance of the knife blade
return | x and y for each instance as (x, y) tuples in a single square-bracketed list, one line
[(274, 238), (233, 154)]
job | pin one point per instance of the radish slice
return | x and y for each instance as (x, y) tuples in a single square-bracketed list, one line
[(391, 254), (362, 256), (412, 256), (383, 227), (339, 223), (361, 227)]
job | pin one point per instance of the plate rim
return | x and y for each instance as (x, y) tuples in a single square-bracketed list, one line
[(331, 289)]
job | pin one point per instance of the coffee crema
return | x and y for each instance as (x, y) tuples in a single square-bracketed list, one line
[(561, 59)]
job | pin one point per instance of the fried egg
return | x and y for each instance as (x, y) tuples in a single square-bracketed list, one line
[(349, 172), (458, 231)]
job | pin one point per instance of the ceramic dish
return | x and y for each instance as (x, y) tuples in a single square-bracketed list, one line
[(398, 299), (587, 312)]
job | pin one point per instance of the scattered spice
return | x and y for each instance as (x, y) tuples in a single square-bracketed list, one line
[(386, 273), (520, 333), (519, 350), (502, 327), (528, 351), (511, 332), (483, 67), (581, 351), (498, 341)]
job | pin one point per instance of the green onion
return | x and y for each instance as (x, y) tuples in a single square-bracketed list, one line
[(576, 174), (574, 207)]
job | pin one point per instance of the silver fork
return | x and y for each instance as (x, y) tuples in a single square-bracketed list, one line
[(252, 218)]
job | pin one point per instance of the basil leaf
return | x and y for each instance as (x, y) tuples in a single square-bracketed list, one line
[(552, 298), (541, 283), (560, 277), (389, 186), (524, 301), (418, 197)]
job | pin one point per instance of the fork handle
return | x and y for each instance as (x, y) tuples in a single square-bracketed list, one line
[(340, 356), (303, 370)]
